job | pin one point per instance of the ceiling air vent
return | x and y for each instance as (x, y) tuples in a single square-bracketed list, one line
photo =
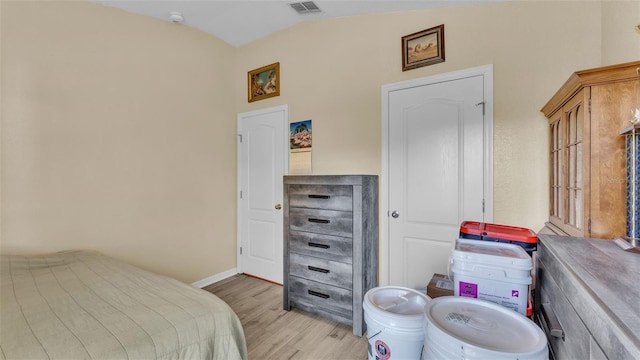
[(305, 7)]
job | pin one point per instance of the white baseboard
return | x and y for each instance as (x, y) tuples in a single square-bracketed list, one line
[(215, 278)]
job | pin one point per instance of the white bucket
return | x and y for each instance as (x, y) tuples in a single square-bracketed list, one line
[(395, 322), (466, 328), (492, 271)]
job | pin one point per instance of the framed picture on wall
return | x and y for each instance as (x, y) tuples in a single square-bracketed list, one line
[(300, 135), (423, 48), (264, 82)]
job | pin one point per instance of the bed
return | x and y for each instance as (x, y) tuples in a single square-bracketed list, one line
[(85, 305)]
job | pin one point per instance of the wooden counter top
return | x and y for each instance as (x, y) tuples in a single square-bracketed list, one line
[(602, 283)]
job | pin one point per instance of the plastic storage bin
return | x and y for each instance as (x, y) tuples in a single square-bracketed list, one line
[(492, 271), (523, 237), (395, 322), (463, 328)]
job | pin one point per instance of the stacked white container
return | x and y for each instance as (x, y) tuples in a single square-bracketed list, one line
[(492, 271)]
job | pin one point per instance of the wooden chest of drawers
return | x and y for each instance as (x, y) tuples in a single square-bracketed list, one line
[(330, 245)]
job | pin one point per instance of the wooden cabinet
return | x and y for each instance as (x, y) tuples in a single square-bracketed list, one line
[(587, 185), (330, 245)]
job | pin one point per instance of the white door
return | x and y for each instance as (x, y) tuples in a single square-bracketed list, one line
[(437, 167), (262, 162)]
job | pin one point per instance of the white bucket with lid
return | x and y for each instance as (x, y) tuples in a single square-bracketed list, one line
[(395, 322), (492, 271), (466, 328)]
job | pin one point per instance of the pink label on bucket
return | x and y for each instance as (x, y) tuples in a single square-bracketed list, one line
[(382, 350), (468, 289)]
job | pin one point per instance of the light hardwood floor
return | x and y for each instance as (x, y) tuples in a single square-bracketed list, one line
[(273, 333)]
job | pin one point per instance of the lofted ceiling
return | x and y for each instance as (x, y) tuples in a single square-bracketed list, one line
[(239, 22)]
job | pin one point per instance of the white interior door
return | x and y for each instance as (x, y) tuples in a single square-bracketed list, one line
[(437, 172), (262, 162)]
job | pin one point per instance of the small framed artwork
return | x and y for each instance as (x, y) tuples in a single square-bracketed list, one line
[(300, 135), (300, 148), (264, 82), (423, 48)]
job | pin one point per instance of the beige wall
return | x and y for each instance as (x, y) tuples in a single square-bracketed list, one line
[(118, 131), (620, 40), (118, 134), (333, 70)]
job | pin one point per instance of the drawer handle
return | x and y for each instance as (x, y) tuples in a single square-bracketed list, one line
[(321, 246), (551, 322), (319, 221), (325, 197), (321, 270), (318, 294)]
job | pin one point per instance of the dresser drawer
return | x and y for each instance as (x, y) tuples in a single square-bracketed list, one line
[(576, 338), (321, 270), (311, 294), (323, 246), (339, 223), (328, 197)]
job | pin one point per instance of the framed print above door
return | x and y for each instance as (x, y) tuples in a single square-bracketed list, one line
[(264, 82), (423, 48)]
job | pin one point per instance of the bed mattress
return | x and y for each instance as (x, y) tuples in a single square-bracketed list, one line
[(85, 305)]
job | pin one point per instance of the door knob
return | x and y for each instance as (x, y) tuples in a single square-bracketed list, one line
[(395, 214), (278, 206)]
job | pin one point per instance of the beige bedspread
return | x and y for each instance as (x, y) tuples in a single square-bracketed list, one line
[(84, 305)]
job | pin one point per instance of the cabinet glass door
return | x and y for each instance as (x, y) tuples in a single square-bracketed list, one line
[(574, 185), (556, 169)]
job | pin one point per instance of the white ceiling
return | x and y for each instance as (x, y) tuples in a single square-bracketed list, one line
[(239, 22)]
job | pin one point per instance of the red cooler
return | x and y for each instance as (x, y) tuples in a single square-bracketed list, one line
[(526, 238)]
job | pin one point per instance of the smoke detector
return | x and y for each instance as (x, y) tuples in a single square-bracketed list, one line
[(176, 17), (305, 7)]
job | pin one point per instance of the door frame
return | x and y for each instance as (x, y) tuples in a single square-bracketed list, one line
[(239, 167), (487, 72)]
